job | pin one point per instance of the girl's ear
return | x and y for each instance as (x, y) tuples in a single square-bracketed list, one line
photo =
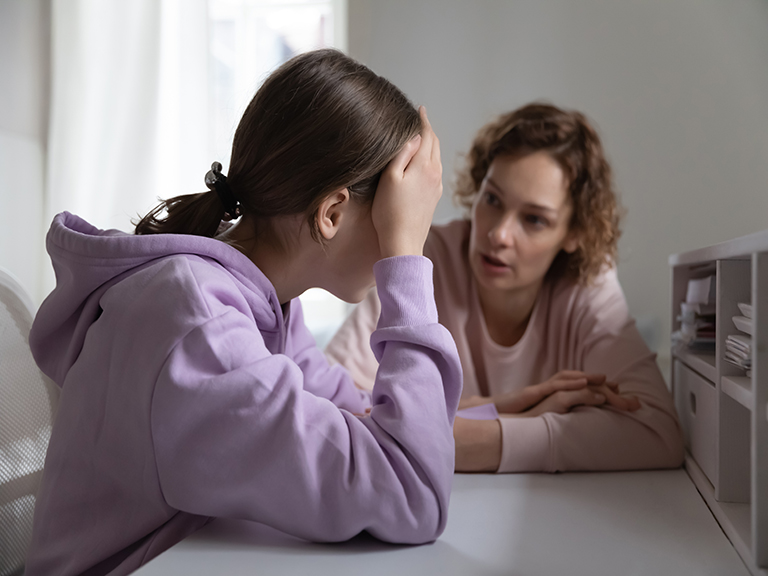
[(331, 211), (571, 242)]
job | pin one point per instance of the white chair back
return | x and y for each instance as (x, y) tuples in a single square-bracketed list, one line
[(28, 401)]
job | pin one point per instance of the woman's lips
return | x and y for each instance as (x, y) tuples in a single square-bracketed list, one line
[(494, 265)]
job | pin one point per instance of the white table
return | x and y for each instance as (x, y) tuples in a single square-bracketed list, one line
[(612, 524)]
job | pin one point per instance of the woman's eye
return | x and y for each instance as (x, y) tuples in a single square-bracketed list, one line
[(536, 221), (491, 199)]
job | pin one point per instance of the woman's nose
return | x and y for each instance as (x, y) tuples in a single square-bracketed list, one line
[(503, 233)]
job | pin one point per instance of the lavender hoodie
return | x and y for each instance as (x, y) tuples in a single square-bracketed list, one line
[(188, 392)]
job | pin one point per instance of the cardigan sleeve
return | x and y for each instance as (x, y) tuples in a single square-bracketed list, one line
[(237, 434), (602, 438)]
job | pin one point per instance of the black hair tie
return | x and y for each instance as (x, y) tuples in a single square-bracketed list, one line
[(217, 182)]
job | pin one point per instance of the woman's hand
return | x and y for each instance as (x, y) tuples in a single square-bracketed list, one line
[(570, 388), (478, 445), (560, 393), (407, 195)]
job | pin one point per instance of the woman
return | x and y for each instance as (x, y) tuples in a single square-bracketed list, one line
[(191, 388), (528, 289)]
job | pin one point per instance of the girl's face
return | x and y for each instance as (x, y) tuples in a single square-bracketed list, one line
[(351, 254), (520, 222)]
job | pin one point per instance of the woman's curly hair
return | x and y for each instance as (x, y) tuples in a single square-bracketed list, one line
[(571, 141)]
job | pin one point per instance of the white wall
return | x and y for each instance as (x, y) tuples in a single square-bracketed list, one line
[(24, 64), (677, 88)]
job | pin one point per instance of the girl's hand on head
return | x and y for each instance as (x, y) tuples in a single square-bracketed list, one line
[(407, 195)]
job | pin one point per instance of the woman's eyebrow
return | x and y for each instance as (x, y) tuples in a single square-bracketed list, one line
[(542, 208), (533, 205)]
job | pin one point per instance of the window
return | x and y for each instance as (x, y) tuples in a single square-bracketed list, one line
[(247, 40)]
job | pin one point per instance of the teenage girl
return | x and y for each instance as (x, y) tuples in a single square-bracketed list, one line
[(190, 386), (527, 286)]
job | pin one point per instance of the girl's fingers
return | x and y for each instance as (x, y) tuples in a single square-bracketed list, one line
[(435, 150), (400, 162), (426, 133), (428, 137)]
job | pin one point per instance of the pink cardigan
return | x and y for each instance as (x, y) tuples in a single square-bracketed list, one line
[(571, 327)]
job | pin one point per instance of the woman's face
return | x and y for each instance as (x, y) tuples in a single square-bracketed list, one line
[(520, 221)]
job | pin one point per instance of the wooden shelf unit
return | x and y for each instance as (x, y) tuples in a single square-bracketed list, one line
[(723, 412)]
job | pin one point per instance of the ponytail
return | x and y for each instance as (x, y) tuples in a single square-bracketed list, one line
[(197, 214)]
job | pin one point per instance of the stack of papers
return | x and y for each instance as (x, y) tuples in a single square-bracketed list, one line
[(697, 315), (738, 350), (744, 323), (738, 347)]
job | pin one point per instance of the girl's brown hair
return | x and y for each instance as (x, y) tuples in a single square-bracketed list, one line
[(573, 143), (319, 123)]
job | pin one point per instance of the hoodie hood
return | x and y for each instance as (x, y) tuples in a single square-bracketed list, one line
[(87, 261)]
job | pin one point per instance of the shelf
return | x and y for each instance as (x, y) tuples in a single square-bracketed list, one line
[(737, 248), (702, 363), (739, 388), (735, 458), (734, 519)]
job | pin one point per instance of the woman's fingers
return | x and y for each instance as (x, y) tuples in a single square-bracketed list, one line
[(573, 380), (626, 403), (566, 374), (585, 397), (577, 374), (553, 386), (564, 400)]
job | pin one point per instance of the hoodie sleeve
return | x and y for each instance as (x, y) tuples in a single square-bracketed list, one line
[(602, 438), (320, 378), (236, 433)]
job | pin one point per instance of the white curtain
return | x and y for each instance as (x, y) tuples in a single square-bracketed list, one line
[(130, 116), (24, 61), (129, 106)]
